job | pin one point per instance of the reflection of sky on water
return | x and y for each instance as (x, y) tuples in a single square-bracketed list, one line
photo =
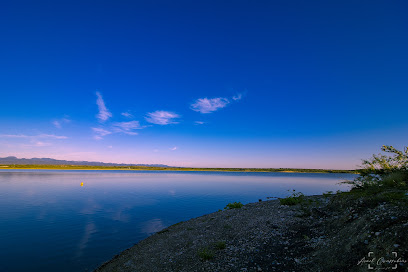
[(50, 219), (89, 229), (152, 226)]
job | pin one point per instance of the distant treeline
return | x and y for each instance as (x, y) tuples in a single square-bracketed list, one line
[(154, 168)]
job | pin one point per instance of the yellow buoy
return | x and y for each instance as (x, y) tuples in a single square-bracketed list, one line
[(82, 184)]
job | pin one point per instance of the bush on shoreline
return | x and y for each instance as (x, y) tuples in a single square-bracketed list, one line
[(383, 171)]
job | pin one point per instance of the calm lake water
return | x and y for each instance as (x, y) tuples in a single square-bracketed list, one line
[(49, 222)]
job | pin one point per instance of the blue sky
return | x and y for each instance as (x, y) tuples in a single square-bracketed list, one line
[(309, 84)]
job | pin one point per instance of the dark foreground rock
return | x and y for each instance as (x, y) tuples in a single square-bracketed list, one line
[(317, 235)]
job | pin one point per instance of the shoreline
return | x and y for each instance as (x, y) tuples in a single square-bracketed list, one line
[(268, 236), (210, 242), (188, 170)]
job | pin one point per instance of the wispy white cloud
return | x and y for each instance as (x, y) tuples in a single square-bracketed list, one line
[(205, 105), (118, 127), (34, 140), (41, 144), (50, 136), (100, 132), (59, 122), (199, 122), (162, 117), (127, 127), (237, 97), (34, 143), (174, 148), (127, 114), (104, 114)]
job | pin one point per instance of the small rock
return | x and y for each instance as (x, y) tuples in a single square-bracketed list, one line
[(377, 233), (396, 245)]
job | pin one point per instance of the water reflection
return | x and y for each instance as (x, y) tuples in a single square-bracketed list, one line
[(90, 228), (46, 217), (152, 226)]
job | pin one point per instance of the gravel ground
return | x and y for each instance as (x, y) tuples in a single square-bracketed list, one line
[(264, 236), (320, 234)]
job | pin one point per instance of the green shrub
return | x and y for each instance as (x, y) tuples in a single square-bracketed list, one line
[(397, 179), (235, 205), (386, 171), (293, 199), (327, 194)]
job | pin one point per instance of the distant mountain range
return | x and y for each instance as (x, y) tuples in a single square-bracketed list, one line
[(15, 160)]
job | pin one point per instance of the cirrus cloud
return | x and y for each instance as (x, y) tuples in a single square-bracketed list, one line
[(50, 136), (100, 132), (127, 127), (33, 140), (205, 105), (127, 114), (59, 122), (104, 114), (237, 97), (162, 117)]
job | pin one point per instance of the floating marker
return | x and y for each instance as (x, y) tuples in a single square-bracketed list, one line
[(82, 184)]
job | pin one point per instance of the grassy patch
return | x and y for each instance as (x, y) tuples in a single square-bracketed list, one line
[(206, 254), (220, 245)]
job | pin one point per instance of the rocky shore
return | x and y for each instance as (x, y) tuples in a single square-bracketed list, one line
[(323, 233)]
